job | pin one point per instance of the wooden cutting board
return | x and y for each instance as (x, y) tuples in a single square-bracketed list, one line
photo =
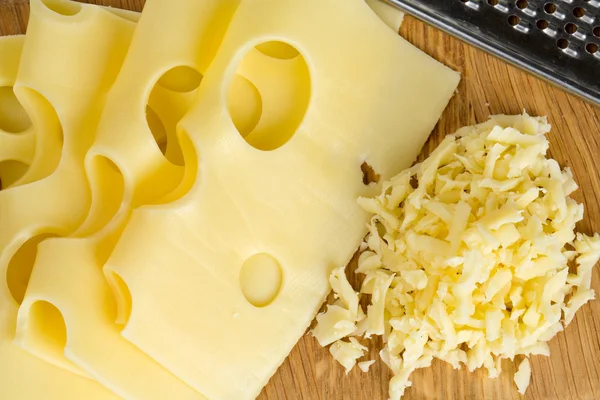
[(489, 86)]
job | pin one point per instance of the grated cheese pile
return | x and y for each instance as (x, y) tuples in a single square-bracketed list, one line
[(467, 257)]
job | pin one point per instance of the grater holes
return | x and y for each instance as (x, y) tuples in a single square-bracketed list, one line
[(522, 4), (591, 48), (597, 31), (570, 28), (550, 8), (521, 25), (562, 44), (579, 12), (501, 5), (542, 24)]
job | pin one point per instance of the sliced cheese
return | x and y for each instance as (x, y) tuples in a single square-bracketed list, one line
[(17, 139), (23, 376), (181, 262), (390, 15), (82, 295), (146, 158), (69, 97)]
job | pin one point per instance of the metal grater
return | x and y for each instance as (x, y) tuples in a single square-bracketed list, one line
[(558, 40)]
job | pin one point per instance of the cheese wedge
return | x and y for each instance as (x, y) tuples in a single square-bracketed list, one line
[(235, 264)]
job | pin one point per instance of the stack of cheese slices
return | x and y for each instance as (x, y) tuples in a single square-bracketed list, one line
[(177, 186)]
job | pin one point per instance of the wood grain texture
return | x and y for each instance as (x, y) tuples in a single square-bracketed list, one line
[(488, 86)]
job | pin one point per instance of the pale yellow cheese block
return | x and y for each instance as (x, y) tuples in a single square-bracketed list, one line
[(23, 376), (277, 220)]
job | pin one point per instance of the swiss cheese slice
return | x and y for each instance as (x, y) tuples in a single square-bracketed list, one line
[(235, 266), (81, 294), (159, 59), (390, 15), (23, 376), (69, 96)]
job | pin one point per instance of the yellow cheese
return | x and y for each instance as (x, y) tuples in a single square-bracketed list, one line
[(346, 353), (17, 140), (486, 269), (391, 16), (286, 194), (365, 365), (65, 97), (523, 376), (23, 376), (145, 158), (87, 313), (82, 296)]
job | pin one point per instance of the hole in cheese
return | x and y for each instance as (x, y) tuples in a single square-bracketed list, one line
[(61, 7), (11, 171), (122, 296), (284, 86), (260, 279), (278, 49), (13, 117), (157, 128), (181, 79), (169, 100), (20, 267), (369, 175), (190, 160), (245, 105), (48, 136), (43, 333)]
